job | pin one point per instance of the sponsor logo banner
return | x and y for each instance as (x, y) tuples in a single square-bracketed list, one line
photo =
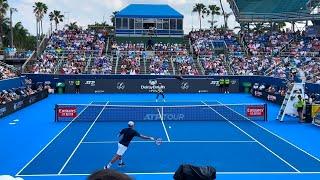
[(255, 111), (67, 112)]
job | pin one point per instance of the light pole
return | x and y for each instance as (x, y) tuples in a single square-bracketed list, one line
[(12, 10), (67, 15)]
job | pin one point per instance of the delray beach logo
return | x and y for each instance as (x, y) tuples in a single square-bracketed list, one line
[(153, 82), (121, 85), (152, 86)]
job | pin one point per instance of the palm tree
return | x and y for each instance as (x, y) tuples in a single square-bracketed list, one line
[(51, 16), (57, 17), (227, 15), (4, 6), (213, 10), (113, 17), (72, 26), (40, 9), (201, 10)]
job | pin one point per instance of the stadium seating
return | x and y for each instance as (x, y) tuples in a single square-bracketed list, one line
[(272, 53)]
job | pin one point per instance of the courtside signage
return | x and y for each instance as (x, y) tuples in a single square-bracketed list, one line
[(254, 111), (67, 112)]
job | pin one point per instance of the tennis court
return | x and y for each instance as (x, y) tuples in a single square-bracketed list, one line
[(196, 132)]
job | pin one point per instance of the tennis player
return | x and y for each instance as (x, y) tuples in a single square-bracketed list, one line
[(160, 91), (126, 135)]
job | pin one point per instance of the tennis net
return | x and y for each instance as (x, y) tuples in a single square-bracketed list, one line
[(206, 112)]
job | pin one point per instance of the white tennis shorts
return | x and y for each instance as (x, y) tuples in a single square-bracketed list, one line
[(121, 149)]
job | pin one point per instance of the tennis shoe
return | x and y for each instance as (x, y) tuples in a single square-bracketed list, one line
[(121, 164)]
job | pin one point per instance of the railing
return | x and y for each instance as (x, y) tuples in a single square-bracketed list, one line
[(200, 65), (107, 46), (191, 47), (307, 54), (88, 64), (145, 64), (117, 64), (16, 55), (30, 59), (173, 66), (267, 17)]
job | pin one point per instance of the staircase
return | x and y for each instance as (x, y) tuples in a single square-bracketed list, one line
[(143, 66), (147, 65), (114, 63)]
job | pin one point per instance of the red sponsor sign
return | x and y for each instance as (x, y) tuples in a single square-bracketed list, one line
[(67, 112), (255, 111)]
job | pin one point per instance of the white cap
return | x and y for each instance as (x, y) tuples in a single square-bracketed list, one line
[(131, 123)]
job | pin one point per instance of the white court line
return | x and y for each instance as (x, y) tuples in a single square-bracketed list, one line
[(274, 134), (53, 139), (112, 142), (83, 137), (163, 125), (276, 155), (170, 173)]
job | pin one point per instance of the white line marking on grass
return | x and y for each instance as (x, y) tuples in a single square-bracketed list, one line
[(16, 120), (275, 134), (83, 137), (163, 125), (12, 123), (52, 140), (276, 155), (170, 173)]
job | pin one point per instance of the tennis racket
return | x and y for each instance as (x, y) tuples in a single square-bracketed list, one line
[(158, 141)]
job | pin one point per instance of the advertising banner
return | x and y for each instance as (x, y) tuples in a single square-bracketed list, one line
[(170, 85)]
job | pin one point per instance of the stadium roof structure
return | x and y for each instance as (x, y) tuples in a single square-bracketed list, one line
[(149, 11), (274, 10)]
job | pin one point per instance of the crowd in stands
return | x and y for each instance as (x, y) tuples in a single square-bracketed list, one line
[(70, 50), (254, 65), (272, 53), (14, 94), (213, 65), (159, 64), (130, 62), (270, 89), (186, 65), (270, 42), (6, 73), (204, 42), (102, 65)]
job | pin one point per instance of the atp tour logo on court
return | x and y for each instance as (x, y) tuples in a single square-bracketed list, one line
[(168, 117), (67, 112), (254, 111)]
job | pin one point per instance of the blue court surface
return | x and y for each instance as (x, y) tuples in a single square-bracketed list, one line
[(212, 132)]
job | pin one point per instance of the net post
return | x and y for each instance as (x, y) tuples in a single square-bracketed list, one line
[(265, 112), (162, 112), (55, 113)]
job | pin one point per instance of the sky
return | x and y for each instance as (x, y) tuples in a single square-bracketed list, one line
[(86, 12)]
